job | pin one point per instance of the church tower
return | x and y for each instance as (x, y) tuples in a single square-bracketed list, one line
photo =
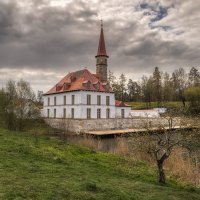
[(101, 58)]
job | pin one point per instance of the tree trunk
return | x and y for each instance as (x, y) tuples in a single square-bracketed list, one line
[(161, 171), (183, 101)]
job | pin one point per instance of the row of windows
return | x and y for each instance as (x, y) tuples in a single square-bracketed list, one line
[(88, 113), (88, 100)]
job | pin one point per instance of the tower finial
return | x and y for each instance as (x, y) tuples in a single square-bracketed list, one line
[(101, 23)]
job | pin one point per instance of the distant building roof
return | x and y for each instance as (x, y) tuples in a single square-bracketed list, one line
[(80, 80), (121, 104)]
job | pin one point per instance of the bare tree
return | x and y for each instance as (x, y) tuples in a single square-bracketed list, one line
[(159, 145), (19, 104)]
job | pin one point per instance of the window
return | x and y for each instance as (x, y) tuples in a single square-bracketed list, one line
[(72, 113), (108, 113), (54, 101), (64, 100), (122, 113), (73, 99), (48, 101), (107, 100), (48, 113), (98, 100), (98, 113), (64, 113), (88, 99), (54, 113), (88, 113)]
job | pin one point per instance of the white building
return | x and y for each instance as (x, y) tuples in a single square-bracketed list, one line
[(83, 95)]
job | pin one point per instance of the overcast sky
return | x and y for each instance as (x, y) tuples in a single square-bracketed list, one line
[(42, 40)]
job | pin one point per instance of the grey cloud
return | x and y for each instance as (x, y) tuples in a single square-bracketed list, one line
[(62, 39), (50, 36), (8, 15), (155, 47)]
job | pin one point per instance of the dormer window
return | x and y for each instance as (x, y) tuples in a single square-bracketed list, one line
[(87, 84), (58, 87), (67, 86), (106, 86), (72, 78), (97, 85)]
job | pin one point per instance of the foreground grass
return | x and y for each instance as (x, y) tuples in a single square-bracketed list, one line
[(46, 168), (144, 105)]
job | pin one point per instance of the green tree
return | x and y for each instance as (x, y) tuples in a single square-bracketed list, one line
[(192, 94), (122, 86), (157, 87), (194, 77), (167, 89), (147, 89), (134, 90), (111, 78), (179, 80)]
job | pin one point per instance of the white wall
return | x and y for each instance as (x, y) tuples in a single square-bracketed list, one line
[(80, 125), (80, 106), (145, 113), (127, 111)]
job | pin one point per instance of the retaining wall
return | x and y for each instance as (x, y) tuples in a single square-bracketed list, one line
[(84, 125)]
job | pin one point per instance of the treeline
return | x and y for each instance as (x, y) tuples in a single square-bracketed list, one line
[(18, 105), (159, 87)]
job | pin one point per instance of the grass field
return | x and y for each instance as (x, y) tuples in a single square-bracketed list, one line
[(46, 168), (144, 105)]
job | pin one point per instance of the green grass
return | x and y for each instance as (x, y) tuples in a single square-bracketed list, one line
[(144, 105), (50, 169)]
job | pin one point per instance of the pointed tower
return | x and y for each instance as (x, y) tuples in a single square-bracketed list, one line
[(101, 58)]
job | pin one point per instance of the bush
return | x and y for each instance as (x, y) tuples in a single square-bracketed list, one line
[(192, 94)]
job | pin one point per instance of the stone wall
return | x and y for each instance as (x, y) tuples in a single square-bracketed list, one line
[(85, 125)]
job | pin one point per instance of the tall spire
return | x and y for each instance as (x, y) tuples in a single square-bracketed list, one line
[(102, 47)]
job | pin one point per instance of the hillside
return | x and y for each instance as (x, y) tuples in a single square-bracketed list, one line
[(46, 168)]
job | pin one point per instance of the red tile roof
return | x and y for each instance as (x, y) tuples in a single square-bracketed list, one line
[(121, 104), (80, 80), (102, 47)]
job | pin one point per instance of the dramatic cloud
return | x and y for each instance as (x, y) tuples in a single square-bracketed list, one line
[(41, 40)]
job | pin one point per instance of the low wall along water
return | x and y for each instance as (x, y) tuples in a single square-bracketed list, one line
[(85, 125)]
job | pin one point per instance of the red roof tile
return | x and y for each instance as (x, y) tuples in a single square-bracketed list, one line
[(80, 80), (121, 104)]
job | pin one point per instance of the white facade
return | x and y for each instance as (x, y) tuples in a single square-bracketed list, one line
[(80, 107), (148, 113), (123, 112)]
